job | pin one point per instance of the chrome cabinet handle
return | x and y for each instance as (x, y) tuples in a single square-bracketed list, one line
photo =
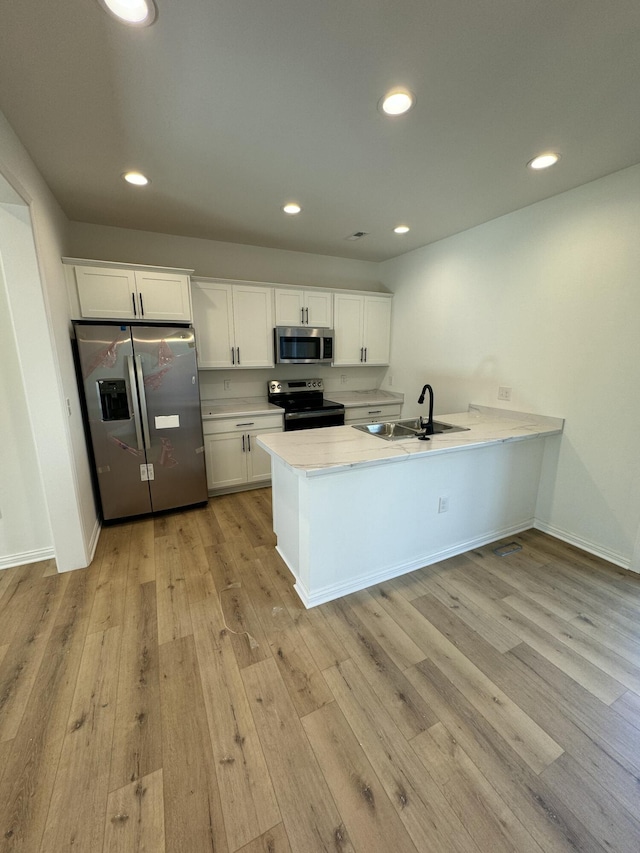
[(133, 302), (307, 310), (141, 305), (375, 411), (246, 423), (243, 444), (249, 442), (361, 351), (365, 353), (233, 355), (302, 316), (238, 348)]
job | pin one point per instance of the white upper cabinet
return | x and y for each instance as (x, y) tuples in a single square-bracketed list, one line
[(304, 307), (164, 296), (362, 329), (113, 292), (234, 324)]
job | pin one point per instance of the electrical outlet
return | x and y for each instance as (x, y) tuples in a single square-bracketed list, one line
[(69, 406), (443, 505), (390, 380), (504, 392), (227, 384), (343, 378)]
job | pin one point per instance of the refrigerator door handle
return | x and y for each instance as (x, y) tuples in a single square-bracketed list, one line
[(135, 413), (143, 402)]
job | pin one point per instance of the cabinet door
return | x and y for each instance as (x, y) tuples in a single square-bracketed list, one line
[(107, 293), (318, 309), (349, 328), (213, 322), (225, 459), (253, 326), (163, 296), (258, 460), (377, 329), (289, 307)]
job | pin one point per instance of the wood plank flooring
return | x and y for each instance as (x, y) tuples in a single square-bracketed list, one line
[(175, 697)]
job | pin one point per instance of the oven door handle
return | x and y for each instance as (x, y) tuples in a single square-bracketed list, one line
[(298, 416)]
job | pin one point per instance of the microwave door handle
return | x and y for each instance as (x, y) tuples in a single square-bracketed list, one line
[(135, 408), (143, 402)]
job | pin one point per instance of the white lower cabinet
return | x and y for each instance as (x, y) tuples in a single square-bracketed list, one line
[(373, 414), (233, 457)]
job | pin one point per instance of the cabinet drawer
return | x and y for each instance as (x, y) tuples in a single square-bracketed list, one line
[(380, 412), (242, 423)]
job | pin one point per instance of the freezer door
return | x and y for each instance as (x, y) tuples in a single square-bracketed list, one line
[(108, 375), (165, 361)]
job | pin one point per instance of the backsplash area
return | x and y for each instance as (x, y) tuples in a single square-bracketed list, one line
[(253, 383)]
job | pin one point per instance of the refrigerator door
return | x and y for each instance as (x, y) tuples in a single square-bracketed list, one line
[(108, 373), (167, 374)]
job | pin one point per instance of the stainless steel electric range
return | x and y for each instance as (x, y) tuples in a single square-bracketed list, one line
[(304, 404)]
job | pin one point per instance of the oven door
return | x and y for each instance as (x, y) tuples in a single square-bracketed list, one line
[(313, 420)]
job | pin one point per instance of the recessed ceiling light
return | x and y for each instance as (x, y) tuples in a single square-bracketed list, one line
[(397, 102), (292, 208), (135, 13), (543, 161), (401, 229), (136, 178)]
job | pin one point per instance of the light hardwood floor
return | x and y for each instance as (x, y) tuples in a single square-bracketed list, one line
[(175, 697)]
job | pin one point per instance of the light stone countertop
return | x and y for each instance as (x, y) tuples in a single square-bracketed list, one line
[(372, 397), (316, 452), (239, 406)]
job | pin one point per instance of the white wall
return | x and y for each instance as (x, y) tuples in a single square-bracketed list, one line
[(253, 383), (220, 260), (36, 293), (547, 301), (25, 534)]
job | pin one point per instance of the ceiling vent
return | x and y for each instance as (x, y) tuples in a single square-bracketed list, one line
[(356, 235)]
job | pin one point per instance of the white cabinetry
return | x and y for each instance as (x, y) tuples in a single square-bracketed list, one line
[(120, 292), (233, 458), (373, 414), (304, 308), (234, 324), (362, 329)]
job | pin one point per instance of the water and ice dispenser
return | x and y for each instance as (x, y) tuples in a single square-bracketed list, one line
[(114, 402)]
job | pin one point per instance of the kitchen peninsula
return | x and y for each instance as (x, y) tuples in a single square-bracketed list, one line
[(351, 509)]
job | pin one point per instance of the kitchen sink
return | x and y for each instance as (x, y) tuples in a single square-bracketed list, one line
[(395, 430)]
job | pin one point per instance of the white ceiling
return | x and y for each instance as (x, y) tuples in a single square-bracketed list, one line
[(233, 107)]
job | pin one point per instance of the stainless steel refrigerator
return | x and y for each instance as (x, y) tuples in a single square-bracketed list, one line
[(143, 414)]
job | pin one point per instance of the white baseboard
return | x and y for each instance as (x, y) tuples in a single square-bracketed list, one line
[(329, 593), (36, 556), (93, 541), (584, 545)]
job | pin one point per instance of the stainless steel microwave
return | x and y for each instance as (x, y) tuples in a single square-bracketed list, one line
[(303, 345)]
